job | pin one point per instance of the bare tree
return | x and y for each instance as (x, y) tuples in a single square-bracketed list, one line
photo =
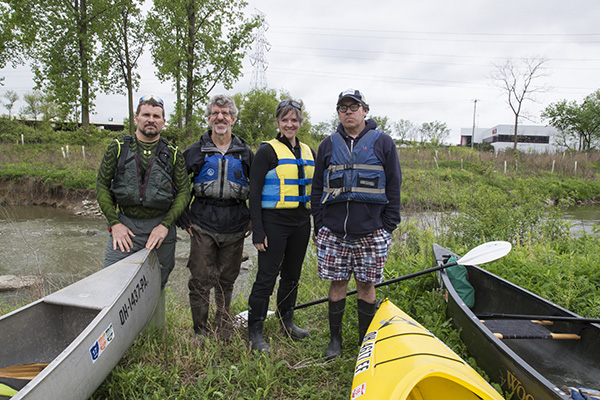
[(405, 131), (11, 98), (516, 79)]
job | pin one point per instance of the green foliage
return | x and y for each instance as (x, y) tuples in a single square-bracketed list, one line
[(199, 44), (256, 118), (579, 124)]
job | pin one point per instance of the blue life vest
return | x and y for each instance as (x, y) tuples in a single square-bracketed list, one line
[(222, 177), (356, 175), (283, 188)]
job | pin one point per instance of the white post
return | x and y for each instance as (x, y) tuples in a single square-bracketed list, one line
[(575, 167), (504, 167), (22, 139), (67, 150), (83, 151), (553, 162), (63, 152), (461, 163), (436, 163)]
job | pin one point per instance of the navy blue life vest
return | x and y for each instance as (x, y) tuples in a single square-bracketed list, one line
[(356, 175)]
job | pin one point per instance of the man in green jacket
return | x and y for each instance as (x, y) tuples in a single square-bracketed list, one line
[(142, 187)]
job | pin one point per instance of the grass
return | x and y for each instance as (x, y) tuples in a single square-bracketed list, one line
[(479, 201)]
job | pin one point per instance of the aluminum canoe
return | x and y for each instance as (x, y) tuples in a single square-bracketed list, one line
[(80, 332)]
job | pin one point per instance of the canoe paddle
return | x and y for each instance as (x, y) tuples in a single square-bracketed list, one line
[(481, 254), (24, 371), (538, 317)]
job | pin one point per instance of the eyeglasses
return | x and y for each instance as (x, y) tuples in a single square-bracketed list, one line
[(353, 107), (292, 103), (152, 97), (215, 114)]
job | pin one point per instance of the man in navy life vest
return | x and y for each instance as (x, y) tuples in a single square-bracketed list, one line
[(355, 203), (218, 219)]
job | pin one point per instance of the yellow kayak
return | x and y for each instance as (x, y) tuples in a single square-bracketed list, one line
[(401, 360)]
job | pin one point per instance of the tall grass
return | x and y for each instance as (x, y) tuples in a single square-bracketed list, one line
[(477, 201)]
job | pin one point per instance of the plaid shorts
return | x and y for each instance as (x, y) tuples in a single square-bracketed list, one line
[(364, 257)]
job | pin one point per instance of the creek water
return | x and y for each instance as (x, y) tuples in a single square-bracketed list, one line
[(64, 247)]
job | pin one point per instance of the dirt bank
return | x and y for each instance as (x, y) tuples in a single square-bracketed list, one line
[(32, 191)]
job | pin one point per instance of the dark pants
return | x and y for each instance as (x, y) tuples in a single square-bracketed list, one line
[(142, 228), (212, 265), (284, 256)]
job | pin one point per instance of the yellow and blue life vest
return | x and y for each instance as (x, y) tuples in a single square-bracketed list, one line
[(283, 187)]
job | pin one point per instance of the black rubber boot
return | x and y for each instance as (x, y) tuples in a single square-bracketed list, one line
[(366, 311), (257, 312), (289, 328), (286, 300), (336, 314), (256, 339), (223, 321), (200, 316)]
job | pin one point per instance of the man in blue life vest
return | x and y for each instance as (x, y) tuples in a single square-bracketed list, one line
[(218, 219), (355, 203), (142, 187)]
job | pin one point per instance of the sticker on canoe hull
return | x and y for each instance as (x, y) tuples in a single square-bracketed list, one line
[(359, 390), (102, 343)]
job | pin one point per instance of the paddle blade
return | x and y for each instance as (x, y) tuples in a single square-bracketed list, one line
[(485, 253)]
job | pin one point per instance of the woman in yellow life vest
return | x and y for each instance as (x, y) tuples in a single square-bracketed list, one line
[(280, 184)]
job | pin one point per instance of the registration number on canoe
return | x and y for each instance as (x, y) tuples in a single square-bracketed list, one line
[(134, 297)]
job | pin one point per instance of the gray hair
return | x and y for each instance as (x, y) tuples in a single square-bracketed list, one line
[(285, 106), (224, 101)]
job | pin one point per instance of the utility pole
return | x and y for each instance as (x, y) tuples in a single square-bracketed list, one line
[(474, 113)]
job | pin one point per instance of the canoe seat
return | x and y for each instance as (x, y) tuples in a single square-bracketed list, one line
[(524, 329)]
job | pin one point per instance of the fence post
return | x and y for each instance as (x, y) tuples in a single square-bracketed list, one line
[(553, 162), (575, 171), (63, 152), (83, 151)]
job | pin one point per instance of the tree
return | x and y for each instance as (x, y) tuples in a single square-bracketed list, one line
[(256, 118), (123, 41), (405, 130), (15, 31), (517, 82), (199, 44), (577, 123), (435, 132), (62, 38), (34, 104), (11, 98), (383, 123)]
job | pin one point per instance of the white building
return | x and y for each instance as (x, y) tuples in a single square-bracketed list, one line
[(531, 138)]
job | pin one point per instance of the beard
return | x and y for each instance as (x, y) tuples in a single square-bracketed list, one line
[(150, 134)]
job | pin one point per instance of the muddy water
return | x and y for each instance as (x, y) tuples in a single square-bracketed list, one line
[(64, 248)]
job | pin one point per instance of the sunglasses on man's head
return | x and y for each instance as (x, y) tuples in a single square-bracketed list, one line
[(152, 97)]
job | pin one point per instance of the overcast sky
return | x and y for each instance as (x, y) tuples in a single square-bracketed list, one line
[(421, 61)]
